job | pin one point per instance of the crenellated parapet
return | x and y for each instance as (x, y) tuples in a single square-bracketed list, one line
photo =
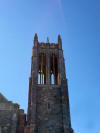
[(47, 45)]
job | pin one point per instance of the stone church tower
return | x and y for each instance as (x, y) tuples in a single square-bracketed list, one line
[(48, 102)]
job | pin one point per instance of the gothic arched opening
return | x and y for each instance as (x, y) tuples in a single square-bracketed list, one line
[(42, 68), (53, 69)]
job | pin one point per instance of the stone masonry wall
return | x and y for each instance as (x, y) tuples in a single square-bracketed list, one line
[(8, 118), (12, 119), (48, 110)]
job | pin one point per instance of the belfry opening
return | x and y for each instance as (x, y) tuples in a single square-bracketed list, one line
[(42, 68), (53, 69)]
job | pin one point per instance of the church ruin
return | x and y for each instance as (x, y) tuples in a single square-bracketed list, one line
[(48, 100)]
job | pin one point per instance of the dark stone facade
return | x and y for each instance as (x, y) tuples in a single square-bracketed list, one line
[(12, 119), (48, 105), (48, 100)]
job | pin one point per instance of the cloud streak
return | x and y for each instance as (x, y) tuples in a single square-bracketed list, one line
[(59, 2)]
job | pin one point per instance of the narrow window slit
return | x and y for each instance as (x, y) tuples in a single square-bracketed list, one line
[(42, 68), (53, 69)]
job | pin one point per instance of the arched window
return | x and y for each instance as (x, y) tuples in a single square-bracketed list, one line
[(42, 68), (52, 78), (39, 77), (53, 69)]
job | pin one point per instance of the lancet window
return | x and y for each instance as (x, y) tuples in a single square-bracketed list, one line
[(42, 68), (53, 69)]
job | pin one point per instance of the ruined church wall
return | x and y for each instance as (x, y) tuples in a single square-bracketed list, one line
[(8, 118), (12, 118)]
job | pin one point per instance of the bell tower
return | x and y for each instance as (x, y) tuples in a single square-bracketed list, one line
[(48, 100)]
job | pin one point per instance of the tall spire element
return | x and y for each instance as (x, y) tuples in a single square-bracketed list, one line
[(35, 40), (59, 42)]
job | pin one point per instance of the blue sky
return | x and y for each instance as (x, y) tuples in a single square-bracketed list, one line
[(78, 22)]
